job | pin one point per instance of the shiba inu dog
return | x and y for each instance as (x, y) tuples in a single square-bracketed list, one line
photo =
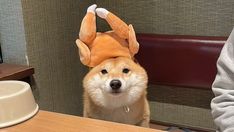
[(115, 87), (115, 90)]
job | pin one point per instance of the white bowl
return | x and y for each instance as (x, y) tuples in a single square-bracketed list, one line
[(17, 103)]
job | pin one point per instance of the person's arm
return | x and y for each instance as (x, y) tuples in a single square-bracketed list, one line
[(223, 87)]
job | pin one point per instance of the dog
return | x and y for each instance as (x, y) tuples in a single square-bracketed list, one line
[(115, 90), (115, 87)]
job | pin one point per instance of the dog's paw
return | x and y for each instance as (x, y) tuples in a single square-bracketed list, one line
[(92, 8), (102, 12)]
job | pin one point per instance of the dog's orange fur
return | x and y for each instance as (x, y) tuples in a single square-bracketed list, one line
[(100, 104), (113, 51)]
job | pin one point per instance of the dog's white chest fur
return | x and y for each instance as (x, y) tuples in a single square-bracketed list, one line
[(117, 115), (126, 114)]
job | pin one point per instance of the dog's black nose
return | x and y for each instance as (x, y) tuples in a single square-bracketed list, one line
[(115, 84)]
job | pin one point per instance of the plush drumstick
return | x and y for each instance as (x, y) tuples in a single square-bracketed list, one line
[(95, 47)]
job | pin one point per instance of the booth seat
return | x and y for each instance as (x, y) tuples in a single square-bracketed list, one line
[(179, 60), (181, 71)]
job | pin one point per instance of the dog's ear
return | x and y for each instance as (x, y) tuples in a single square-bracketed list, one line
[(133, 44), (84, 52)]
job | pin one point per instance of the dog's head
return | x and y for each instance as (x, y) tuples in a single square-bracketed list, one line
[(116, 82)]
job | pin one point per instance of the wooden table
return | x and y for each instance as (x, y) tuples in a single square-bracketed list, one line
[(14, 72), (54, 122)]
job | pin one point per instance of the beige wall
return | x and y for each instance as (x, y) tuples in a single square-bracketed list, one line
[(186, 17), (51, 28)]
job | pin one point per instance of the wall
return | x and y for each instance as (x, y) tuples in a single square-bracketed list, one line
[(182, 17), (51, 28), (12, 36), (185, 17)]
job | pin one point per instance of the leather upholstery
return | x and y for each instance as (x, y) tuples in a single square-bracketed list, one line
[(178, 60)]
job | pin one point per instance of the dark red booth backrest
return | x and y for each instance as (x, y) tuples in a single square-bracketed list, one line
[(178, 60)]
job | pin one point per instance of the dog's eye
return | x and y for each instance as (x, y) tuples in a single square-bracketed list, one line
[(104, 71), (126, 70)]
